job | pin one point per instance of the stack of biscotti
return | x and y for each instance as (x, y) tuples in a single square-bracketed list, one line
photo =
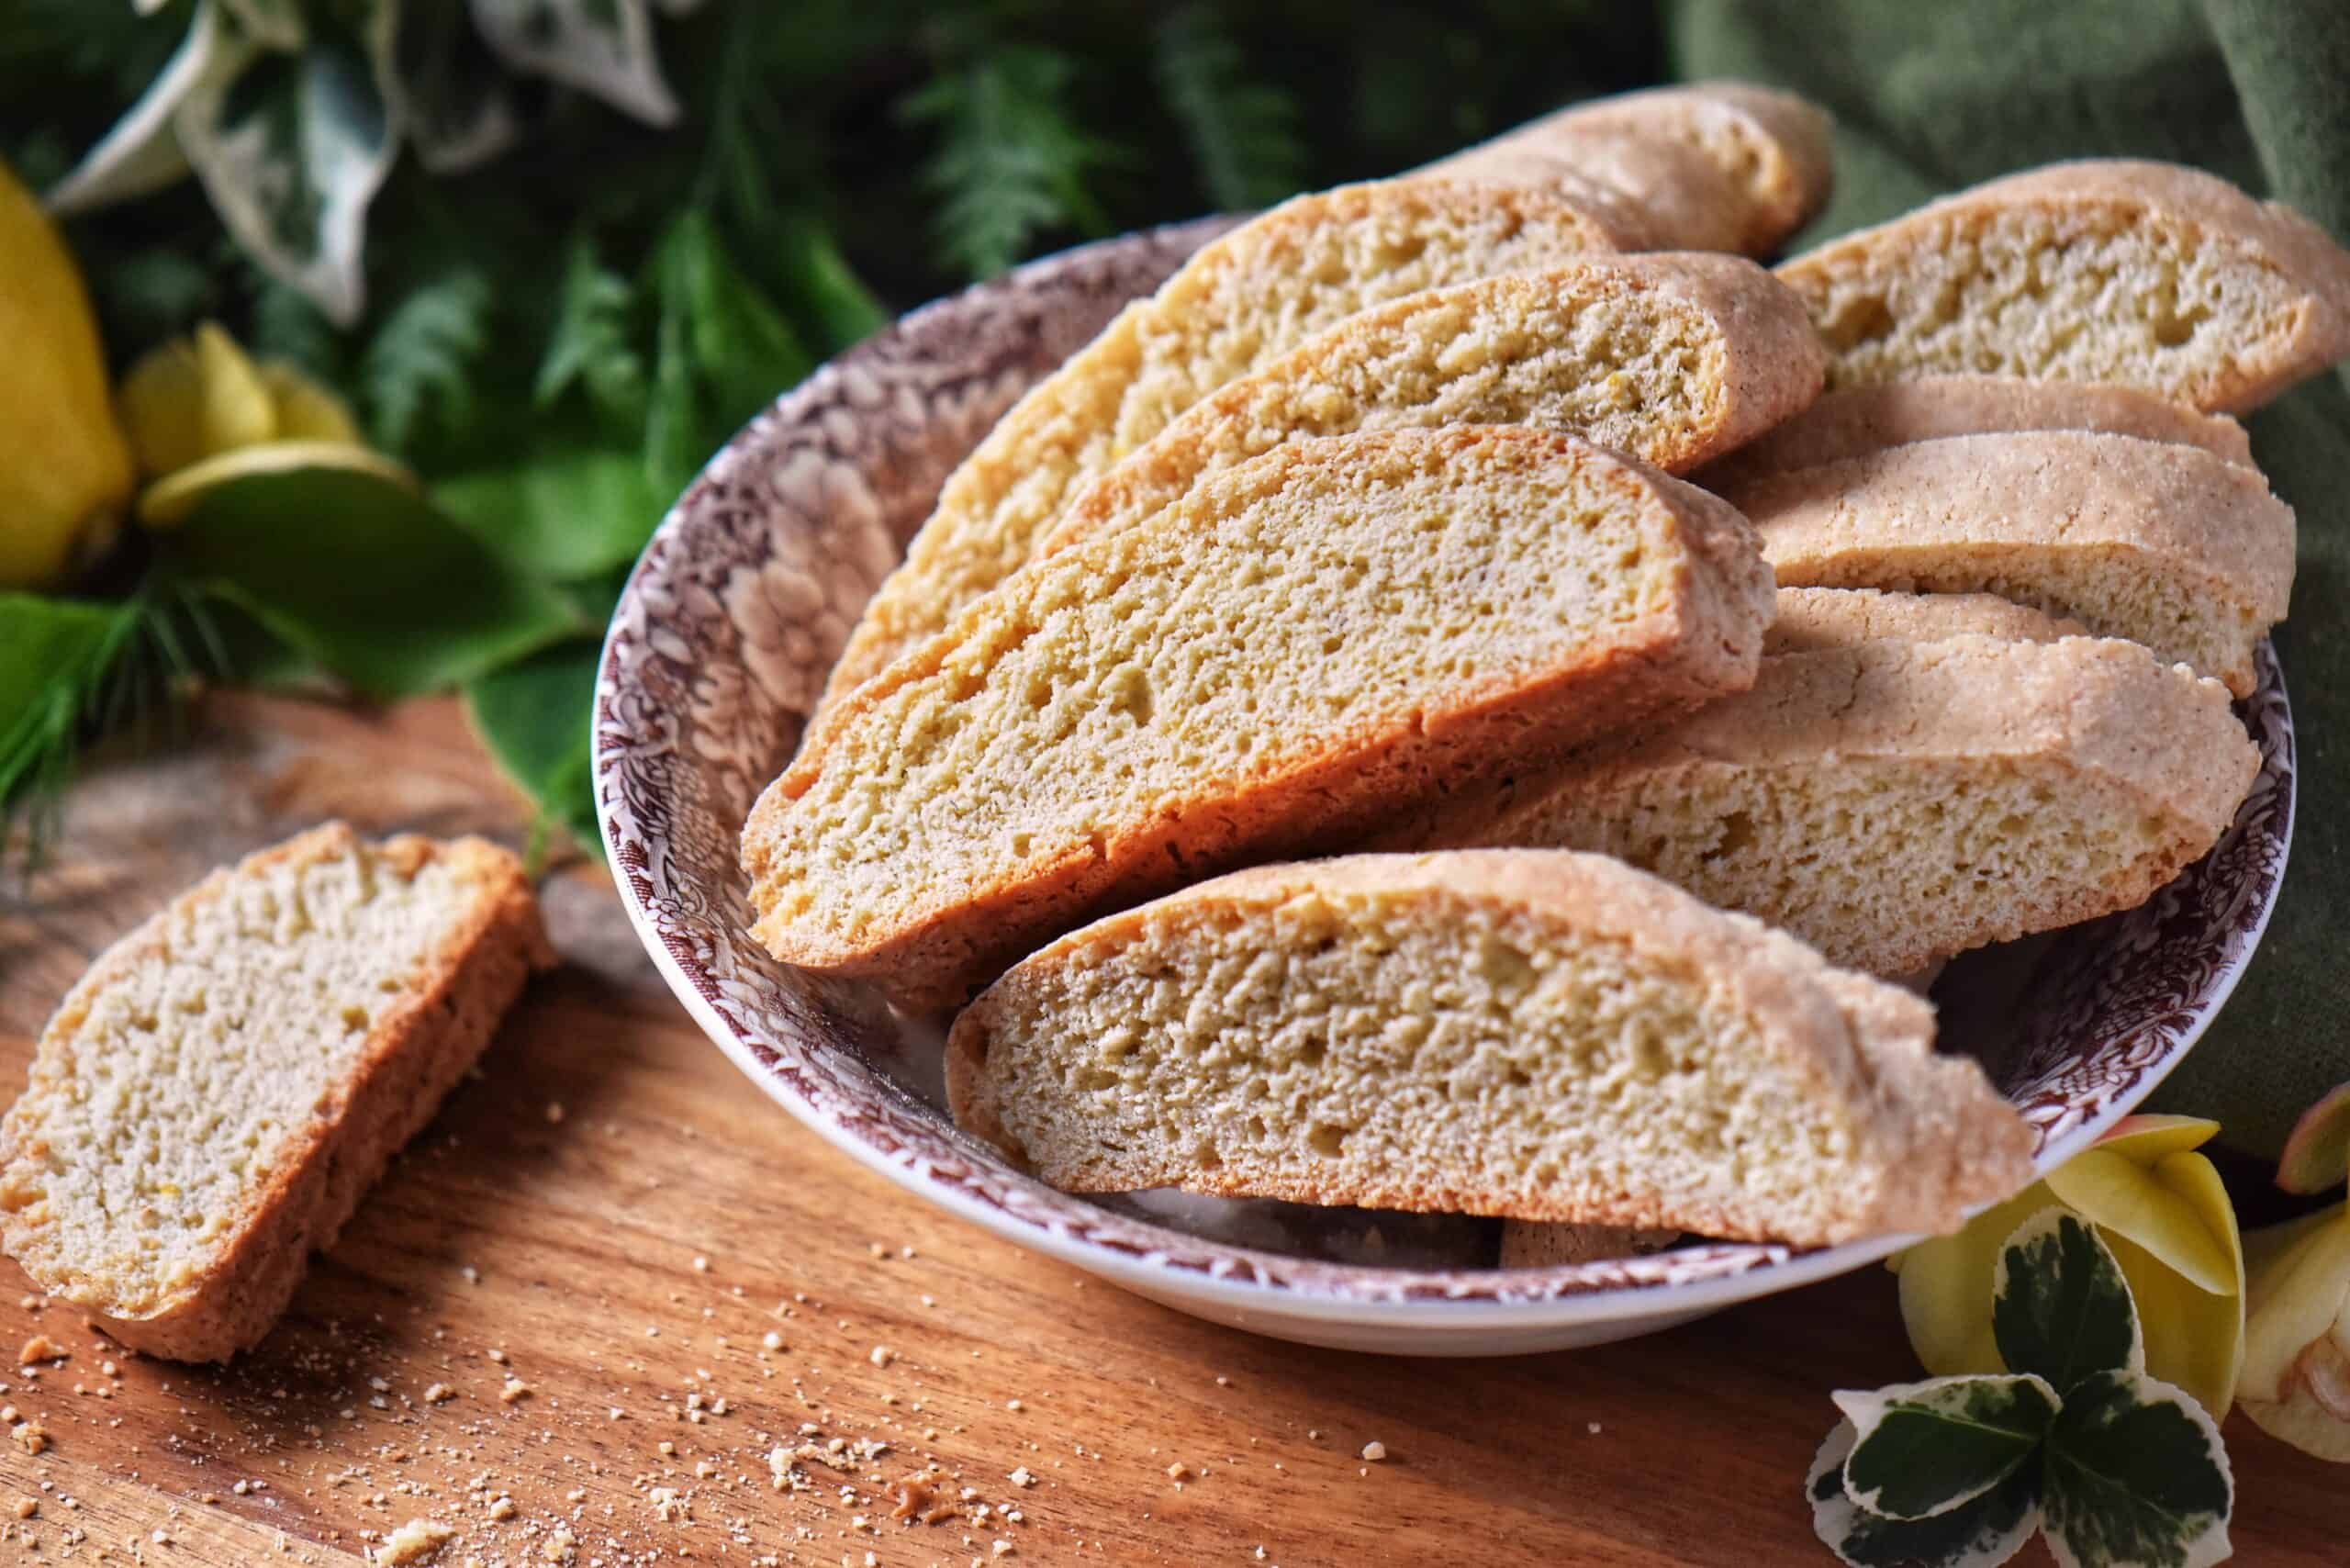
[(1419, 578)]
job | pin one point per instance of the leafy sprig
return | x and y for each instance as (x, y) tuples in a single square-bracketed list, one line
[(1242, 132), (2121, 1470)]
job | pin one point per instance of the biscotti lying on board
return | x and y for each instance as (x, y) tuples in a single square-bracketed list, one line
[(1895, 803), (214, 1098), (1240, 301), (1672, 358), (1539, 1034), (2151, 275), (1300, 644), (2156, 542)]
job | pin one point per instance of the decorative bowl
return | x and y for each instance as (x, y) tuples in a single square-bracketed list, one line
[(721, 644)]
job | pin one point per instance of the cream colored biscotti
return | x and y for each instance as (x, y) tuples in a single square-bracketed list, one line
[(1895, 803), (2161, 543), (1536, 1035), (1684, 200), (1670, 358), (1306, 641), (1811, 619), (2147, 274), (1862, 420), (212, 1100), (1243, 300), (1769, 150)]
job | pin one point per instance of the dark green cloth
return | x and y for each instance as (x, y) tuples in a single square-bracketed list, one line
[(1931, 96)]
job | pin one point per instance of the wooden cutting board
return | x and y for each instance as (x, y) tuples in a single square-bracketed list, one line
[(611, 1218)]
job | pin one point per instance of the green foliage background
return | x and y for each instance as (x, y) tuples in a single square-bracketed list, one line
[(557, 339)]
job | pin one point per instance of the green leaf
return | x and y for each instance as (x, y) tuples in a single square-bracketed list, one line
[(2136, 1475), (1243, 133), (2317, 1154), (2060, 1305), (452, 102), (1011, 161), (141, 154), (363, 576), (820, 286), (1979, 1534), (535, 717), (292, 150), (1923, 1449), (589, 346), (422, 358), (744, 352), (52, 652), (604, 48), (564, 512)]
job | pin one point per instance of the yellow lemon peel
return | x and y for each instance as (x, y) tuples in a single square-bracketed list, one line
[(169, 501)]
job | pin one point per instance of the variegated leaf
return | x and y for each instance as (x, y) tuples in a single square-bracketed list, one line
[(454, 105), (273, 24), (601, 47), (291, 152), (2137, 1477), (1980, 1534), (141, 154), (1923, 1449), (2060, 1304)]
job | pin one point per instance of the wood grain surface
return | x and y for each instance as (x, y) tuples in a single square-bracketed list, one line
[(680, 1279)]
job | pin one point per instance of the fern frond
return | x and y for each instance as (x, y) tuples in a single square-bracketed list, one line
[(589, 346), (1242, 133), (423, 357), (1010, 160)]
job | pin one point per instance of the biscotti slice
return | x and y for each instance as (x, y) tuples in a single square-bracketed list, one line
[(2161, 543), (1769, 151), (1536, 1035), (2152, 275), (1242, 300), (214, 1098), (1670, 358), (1304, 641), (1894, 803), (1862, 420), (1685, 200), (1811, 619)]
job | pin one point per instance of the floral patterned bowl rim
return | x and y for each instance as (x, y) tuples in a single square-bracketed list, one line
[(719, 647)]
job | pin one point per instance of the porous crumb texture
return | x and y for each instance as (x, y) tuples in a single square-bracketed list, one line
[(213, 1098), (1536, 1035), (1241, 301), (1669, 358), (2161, 543), (1894, 803), (1811, 619), (1768, 153), (1861, 420), (2162, 278), (1303, 643)]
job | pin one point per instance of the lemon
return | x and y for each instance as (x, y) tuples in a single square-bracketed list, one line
[(64, 468), (194, 397), (169, 501)]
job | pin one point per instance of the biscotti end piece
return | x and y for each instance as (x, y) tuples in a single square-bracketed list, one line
[(1858, 420), (1540, 1036), (2161, 543), (2152, 275), (1812, 619), (1242, 300), (1670, 358), (1895, 803), (1305, 643), (213, 1098), (1717, 165)]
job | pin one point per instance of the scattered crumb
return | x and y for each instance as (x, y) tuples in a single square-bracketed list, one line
[(1178, 1471), (41, 1348), (415, 1541), (554, 1109), (515, 1389), (26, 1507), (1020, 1477), (1374, 1451), (702, 1265), (31, 1438), (1592, 1428), (439, 1394), (772, 1340), (558, 1547), (882, 1356), (1014, 1405), (502, 1509)]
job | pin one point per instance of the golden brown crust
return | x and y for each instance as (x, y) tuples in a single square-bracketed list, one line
[(1858, 420), (414, 1055)]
